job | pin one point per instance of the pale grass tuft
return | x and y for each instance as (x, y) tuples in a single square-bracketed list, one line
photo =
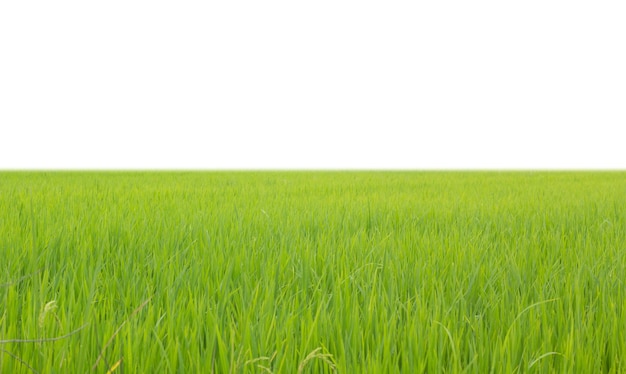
[(50, 307), (316, 354), (259, 359), (115, 366)]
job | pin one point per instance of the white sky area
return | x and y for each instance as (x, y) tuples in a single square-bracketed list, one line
[(312, 85)]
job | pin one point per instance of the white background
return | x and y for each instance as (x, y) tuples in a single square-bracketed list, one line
[(312, 84)]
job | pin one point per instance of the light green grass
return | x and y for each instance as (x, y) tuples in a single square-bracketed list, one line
[(292, 272)]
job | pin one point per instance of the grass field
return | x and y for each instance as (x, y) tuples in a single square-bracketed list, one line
[(291, 272)]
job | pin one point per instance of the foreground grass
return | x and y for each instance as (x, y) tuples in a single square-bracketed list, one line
[(313, 272)]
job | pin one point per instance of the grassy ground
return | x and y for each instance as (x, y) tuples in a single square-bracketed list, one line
[(313, 272)]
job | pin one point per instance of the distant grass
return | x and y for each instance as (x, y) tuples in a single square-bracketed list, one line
[(313, 272)]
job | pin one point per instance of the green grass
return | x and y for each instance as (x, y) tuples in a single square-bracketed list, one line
[(292, 272)]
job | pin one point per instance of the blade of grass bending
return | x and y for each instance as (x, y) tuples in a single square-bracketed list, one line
[(506, 337), (456, 358), (543, 356), (139, 308)]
